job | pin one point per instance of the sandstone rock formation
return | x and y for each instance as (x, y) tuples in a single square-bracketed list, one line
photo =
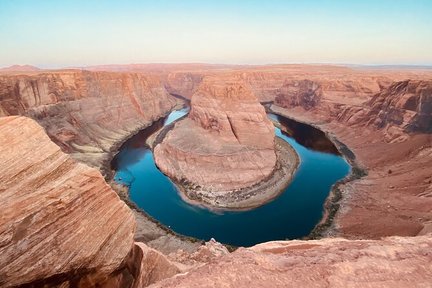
[(404, 106), (304, 93), (86, 113), (59, 220), (407, 104), (391, 262), (342, 85), (183, 84), (144, 266), (226, 143)]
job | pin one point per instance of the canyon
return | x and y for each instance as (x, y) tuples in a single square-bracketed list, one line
[(86, 113), (55, 199)]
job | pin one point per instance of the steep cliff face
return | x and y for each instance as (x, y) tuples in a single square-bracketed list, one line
[(338, 84), (183, 84), (404, 106), (226, 143), (391, 262), (304, 93), (86, 113), (407, 104), (60, 221)]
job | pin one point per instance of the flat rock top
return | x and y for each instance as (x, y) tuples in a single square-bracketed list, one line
[(203, 141)]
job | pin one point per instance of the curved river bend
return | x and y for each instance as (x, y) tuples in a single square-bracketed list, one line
[(291, 215)]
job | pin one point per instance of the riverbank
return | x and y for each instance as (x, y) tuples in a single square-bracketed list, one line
[(392, 199), (148, 230), (326, 226)]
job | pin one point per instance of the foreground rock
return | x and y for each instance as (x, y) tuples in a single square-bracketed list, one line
[(143, 266), (391, 262), (61, 223), (60, 220)]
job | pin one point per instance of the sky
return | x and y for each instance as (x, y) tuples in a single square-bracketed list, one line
[(54, 34)]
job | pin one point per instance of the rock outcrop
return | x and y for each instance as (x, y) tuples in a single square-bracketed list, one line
[(60, 222), (226, 143), (143, 267), (86, 113), (391, 262)]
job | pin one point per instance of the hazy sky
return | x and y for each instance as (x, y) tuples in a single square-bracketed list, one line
[(75, 33)]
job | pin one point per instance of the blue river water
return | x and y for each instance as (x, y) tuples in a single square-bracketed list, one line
[(291, 215)]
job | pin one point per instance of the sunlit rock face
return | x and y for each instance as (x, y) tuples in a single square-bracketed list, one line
[(407, 104), (86, 113), (60, 221), (226, 143), (233, 112), (390, 262)]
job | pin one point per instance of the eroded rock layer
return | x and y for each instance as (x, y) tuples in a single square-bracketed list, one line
[(407, 104), (86, 113), (389, 134), (226, 143), (59, 220)]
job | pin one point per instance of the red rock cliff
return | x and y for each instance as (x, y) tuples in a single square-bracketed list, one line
[(59, 219), (86, 113)]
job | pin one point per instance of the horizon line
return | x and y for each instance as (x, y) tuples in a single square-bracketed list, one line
[(50, 67)]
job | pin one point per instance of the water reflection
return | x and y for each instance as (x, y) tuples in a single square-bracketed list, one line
[(308, 136)]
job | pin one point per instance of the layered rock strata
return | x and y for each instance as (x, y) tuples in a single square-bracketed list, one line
[(304, 93), (59, 220), (406, 104), (86, 113), (226, 143), (61, 224), (389, 135)]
